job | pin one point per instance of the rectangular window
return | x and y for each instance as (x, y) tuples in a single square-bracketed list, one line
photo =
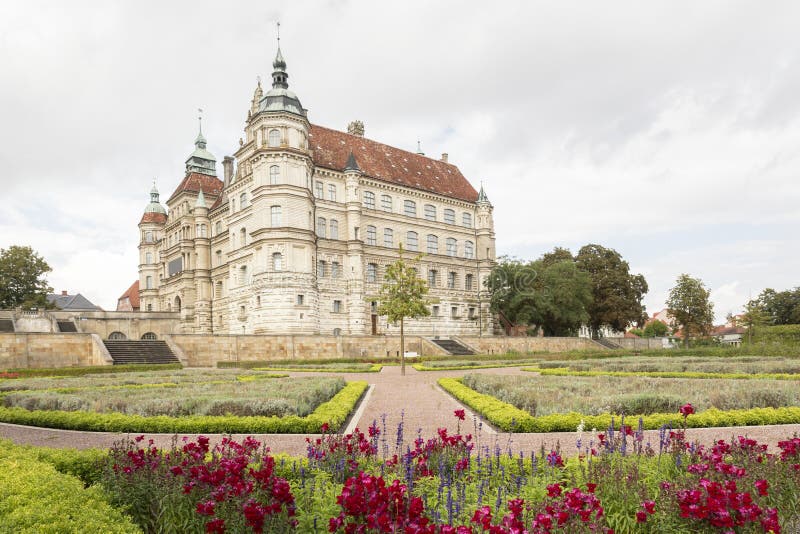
[(411, 241), (275, 216), (318, 189), (410, 208), (369, 200), (300, 300), (336, 270), (386, 202), (320, 269), (433, 244), (467, 219), (321, 226), (454, 312), (469, 250), (388, 237), (451, 280), (332, 192), (432, 278), (337, 306), (449, 216), (435, 311), (372, 235), (471, 313), (451, 246), (334, 229), (372, 272), (430, 212), (468, 282)]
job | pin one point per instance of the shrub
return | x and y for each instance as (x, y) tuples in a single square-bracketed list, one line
[(99, 369), (645, 404), (36, 498)]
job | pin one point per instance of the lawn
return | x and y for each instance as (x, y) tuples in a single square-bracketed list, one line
[(700, 364)]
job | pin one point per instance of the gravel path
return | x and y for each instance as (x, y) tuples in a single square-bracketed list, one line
[(418, 402)]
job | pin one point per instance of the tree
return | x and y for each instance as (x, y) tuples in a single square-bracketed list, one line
[(754, 318), (558, 255), (782, 307), (22, 278), (690, 305), (552, 296), (616, 293), (655, 329), (402, 295)]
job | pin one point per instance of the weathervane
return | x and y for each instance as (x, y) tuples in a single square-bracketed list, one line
[(200, 118), (279, 34)]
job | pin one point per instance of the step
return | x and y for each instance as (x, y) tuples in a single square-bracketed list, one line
[(66, 326), (148, 352), (453, 347)]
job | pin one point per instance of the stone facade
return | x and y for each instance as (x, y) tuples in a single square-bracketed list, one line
[(296, 237), (37, 350)]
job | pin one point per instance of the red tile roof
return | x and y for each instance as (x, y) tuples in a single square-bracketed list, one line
[(154, 217), (132, 294), (382, 162), (211, 185)]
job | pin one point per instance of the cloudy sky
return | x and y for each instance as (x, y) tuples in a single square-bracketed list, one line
[(669, 131)]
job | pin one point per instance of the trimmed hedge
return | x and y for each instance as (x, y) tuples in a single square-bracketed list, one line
[(511, 419), (99, 369), (334, 412), (35, 498), (375, 368), (250, 364), (665, 374), (423, 367)]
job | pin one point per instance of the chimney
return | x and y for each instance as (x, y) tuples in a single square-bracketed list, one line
[(227, 165), (63, 293), (356, 128), (444, 157)]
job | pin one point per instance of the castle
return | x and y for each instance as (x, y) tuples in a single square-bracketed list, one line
[(296, 235)]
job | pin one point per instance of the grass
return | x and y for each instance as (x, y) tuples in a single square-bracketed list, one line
[(696, 364), (336, 367), (299, 396), (545, 395)]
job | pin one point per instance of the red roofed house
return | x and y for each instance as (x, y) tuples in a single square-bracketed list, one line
[(297, 235), (129, 301)]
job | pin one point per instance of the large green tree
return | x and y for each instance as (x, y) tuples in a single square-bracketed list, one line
[(689, 303), (655, 329), (402, 296), (754, 318), (782, 307), (22, 278), (551, 295), (616, 293)]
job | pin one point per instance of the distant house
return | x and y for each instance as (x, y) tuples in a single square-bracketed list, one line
[(129, 301), (728, 335), (68, 302), (662, 316)]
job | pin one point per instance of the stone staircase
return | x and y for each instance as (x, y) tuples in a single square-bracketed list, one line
[(606, 343), (453, 347), (66, 326), (149, 352)]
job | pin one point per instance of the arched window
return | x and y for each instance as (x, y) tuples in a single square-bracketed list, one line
[(449, 216), (334, 229), (369, 200), (218, 289), (275, 216), (411, 241), (469, 250), (467, 219), (258, 301), (410, 208), (322, 226), (149, 336), (274, 138), (452, 245), (148, 237), (243, 279), (148, 258), (274, 174), (430, 212), (148, 282), (242, 237), (117, 336), (233, 205), (372, 235), (177, 304), (388, 237), (386, 203), (219, 258), (277, 261), (203, 230), (468, 282), (433, 244), (243, 200), (337, 332), (218, 228), (332, 192)]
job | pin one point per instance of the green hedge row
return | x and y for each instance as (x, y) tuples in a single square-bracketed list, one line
[(375, 368), (100, 369), (311, 361), (561, 371), (423, 367), (334, 412), (511, 419), (36, 498)]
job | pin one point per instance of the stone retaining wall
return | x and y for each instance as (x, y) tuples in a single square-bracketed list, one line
[(36, 350), (502, 345)]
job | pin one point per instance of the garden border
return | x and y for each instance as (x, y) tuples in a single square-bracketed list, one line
[(565, 371)]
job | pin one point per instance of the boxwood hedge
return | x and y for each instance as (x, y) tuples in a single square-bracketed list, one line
[(511, 419), (334, 412), (665, 374)]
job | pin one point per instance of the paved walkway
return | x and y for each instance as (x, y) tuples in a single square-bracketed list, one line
[(415, 399)]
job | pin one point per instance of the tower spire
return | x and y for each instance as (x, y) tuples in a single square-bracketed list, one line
[(279, 75)]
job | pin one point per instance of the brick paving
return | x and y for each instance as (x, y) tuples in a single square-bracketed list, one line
[(423, 407)]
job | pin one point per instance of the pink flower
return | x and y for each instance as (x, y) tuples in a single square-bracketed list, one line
[(460, 414), (649, 507), (687, 409), (641, 516), (206, 508), (762, 486), (554, 490), (324, 428)]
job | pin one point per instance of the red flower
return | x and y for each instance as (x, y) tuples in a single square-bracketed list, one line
[(554, 490), (324, 428), (649, 507), (590, 487), (216, 526), (687, 409), (641, 516), (460, 414), (206, 508), (761, 486)]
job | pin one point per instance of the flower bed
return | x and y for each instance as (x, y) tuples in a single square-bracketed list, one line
[(666, 374), (509, 418), (99, 369), (333, 412), (372, 368)]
